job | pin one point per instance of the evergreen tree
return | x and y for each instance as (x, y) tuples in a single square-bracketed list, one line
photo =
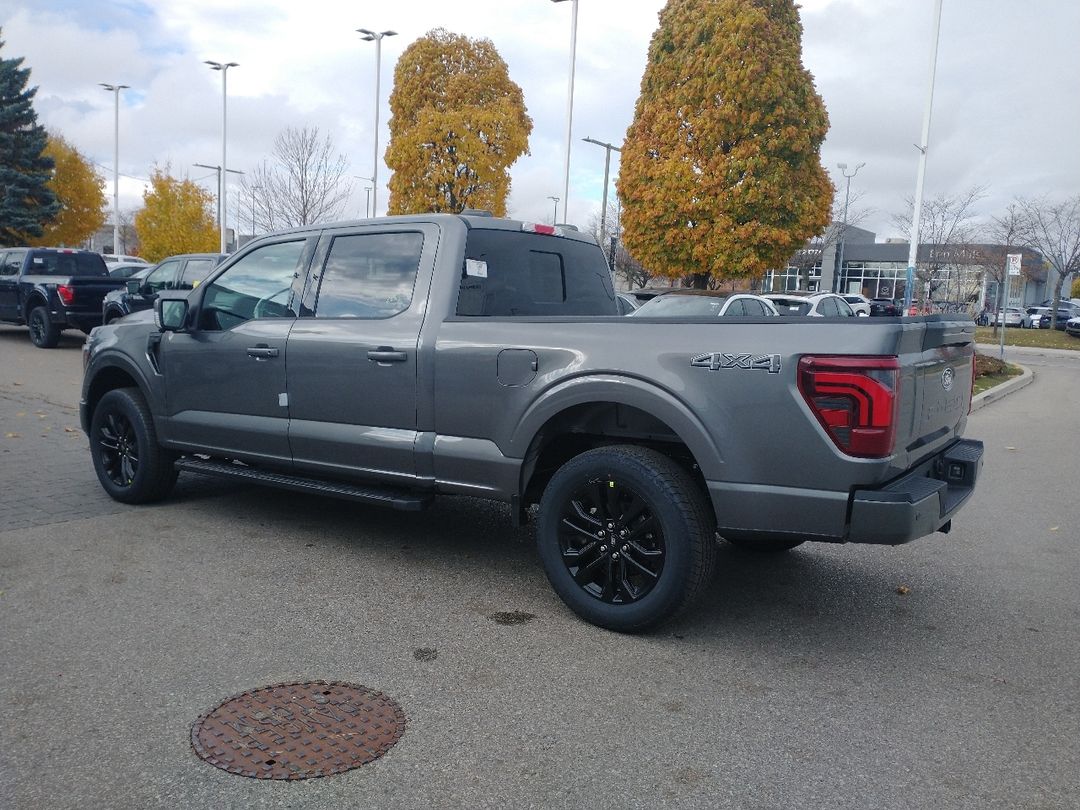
[(721, 171), (27, 202)]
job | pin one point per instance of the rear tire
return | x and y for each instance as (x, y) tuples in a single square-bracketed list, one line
[(626, 537), (43, 332), (130, 464)]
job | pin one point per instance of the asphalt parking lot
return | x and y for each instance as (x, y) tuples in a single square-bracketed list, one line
[(941, 674)]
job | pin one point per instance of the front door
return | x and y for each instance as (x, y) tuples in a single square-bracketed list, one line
[(353, 358), (225, 376), (10, 264)]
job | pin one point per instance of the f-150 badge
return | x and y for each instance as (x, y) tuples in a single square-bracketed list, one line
[(715, 361)]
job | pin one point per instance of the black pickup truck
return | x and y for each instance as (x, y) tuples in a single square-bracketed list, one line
[(52, 289)]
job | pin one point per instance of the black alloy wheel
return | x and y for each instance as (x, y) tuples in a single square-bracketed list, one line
[(129, 463), (43, 332), (626, 536), (611, 543)]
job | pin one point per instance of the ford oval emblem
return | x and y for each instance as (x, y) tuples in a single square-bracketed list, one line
[(947, 379)]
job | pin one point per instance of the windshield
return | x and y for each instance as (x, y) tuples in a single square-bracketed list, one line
[(681, 306)]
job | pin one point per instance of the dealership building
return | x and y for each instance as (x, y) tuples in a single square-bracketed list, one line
[(960, 274)]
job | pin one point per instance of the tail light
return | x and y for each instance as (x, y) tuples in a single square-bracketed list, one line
[(66, 293), (856, 400)]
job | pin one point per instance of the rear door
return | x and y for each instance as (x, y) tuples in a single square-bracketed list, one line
[(352, 375)]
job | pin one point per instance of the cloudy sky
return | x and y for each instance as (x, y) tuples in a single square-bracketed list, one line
[(1006, 112)]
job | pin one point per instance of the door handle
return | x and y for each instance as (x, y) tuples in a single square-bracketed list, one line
[(262, 352), (387, 354)]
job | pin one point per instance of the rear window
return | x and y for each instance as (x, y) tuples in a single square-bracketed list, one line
[(512, 273), (60, 263), (682, 306), (791, 306)]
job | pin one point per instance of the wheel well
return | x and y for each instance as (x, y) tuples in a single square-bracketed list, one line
[(596, 424), (106, 380), (36, 299)]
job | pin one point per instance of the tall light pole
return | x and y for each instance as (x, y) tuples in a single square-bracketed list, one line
[(555, 213), (115, 90), (367, 189), (223, 176), (922, 146), (220, 199), (569, 110), (377, 38), (843, 233), (607, 165)]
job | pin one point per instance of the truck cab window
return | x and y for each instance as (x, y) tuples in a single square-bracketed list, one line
[(369, 276), (258, 286), (513, 273)]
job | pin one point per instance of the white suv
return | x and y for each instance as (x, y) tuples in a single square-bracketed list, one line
[(817, 305)]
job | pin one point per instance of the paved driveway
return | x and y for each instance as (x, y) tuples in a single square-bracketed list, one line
[(805, 680)]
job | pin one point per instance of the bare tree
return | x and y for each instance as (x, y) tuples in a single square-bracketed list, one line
[(1004, 235), (947, 229), (303, 184), (633, 272), (1053, 229)]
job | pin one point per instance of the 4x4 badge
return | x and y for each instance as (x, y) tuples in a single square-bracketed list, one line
[(714, 361)]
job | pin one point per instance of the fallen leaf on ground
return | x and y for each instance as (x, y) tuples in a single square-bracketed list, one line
[(903, 590), (1010, 448), (1054, 528), (75, 430), (21, 413), (12, 436)]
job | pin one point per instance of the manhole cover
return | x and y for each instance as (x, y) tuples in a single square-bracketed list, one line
[(298, 730)]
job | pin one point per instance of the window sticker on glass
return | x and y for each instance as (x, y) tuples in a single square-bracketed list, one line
[(476, 267)]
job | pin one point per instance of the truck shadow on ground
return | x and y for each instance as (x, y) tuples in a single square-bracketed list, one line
[(69, 338), (843, 598)]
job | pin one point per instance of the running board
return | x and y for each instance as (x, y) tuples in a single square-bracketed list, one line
[(401, 499)]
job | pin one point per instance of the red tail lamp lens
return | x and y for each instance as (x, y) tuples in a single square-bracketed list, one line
[(855, 399), (66, 293)]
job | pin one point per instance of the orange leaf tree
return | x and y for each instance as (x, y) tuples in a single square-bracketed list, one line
[(457, 125), (721, 171), (175, 218), (77, 187)]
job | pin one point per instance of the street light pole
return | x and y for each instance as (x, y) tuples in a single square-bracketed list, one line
[(922, 146), (223, 176), (569, 109), (555, 213), (843, 233), (377, 38), (220, 205), (367, 201), (607, 165), (115, 90)]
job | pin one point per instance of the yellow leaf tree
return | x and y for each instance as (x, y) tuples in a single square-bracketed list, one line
[(457, 125), (176, 217), (721, 170), (77, 187)]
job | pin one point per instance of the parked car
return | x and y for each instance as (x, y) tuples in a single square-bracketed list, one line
[(1013, 316), (817, 305), (1036, 318), (705, 304), (1065, 312), (182, 272), (884, 308), (626, 302), (52, 289), (112, 259), (1072, 326), (127, 269), (859, 303)]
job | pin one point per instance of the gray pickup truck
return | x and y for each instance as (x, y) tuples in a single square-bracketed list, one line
[(387, 361)]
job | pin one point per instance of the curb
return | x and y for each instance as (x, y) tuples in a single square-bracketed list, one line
[(998, 391)]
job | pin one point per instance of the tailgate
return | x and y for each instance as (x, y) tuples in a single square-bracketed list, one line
[(90, 291), (942, 372)]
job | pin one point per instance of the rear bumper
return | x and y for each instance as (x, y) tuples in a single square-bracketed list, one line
[(921, 501)]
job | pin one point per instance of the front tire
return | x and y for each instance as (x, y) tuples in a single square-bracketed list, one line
[(43, 332), (130, 464), (626, 537)]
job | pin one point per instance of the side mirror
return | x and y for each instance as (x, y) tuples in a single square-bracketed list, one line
[(133, 286), (170, 314)]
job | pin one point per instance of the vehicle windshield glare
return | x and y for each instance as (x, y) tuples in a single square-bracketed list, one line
[(681, 306)]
